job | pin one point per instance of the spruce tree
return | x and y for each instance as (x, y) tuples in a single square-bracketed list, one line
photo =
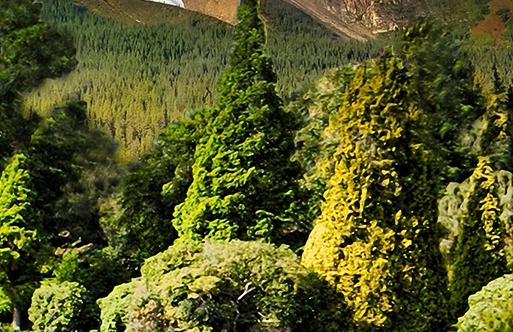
[(375, 240), (244, 183), (479, 255)]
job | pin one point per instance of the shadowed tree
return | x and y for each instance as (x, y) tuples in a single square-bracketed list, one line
[(30, 52)]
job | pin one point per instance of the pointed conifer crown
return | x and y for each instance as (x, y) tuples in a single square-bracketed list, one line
[(249, 60)]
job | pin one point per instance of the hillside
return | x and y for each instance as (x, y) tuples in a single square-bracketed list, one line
[(144, 66), (355, 19)]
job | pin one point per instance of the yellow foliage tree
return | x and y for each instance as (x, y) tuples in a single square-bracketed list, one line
[(375, 240)]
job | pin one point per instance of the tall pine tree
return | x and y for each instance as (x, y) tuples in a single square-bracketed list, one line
[(244, 183)]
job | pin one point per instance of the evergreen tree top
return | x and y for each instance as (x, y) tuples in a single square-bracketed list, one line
[(249, 61)]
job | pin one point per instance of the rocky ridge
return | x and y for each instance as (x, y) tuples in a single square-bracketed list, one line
[(357, 19)]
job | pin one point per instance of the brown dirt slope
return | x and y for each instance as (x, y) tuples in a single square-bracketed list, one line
[(493, 24), (224, 10), (138, 11)]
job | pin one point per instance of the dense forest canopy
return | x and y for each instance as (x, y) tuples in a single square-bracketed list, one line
[(137, 78), (375, 198)]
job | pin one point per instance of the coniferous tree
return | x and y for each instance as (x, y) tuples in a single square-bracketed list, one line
[(479, 255), (244, 183), (443, 76), (373, 242)]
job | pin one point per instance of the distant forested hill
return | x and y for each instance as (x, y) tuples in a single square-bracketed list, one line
[(137, 77)]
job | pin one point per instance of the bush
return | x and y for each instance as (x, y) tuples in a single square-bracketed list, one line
[(491, 309), (57, 307), (234, 286)]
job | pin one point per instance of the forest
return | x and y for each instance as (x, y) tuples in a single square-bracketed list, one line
[(137, 78), (375, 198)]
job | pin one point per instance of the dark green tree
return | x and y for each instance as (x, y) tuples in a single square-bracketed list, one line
[(30, 52), (72, 169), (244, 184), (443, 76), (138, 222), (479, 252)]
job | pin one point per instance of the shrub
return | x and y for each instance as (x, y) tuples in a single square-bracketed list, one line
[(491, 309), (57, 307), (234, 286)]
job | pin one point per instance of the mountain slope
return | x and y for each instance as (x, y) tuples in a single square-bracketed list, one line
[(354, 19), (143, 64)]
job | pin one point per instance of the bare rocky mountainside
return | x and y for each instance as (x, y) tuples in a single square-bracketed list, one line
[(358, 19), (354, 19), (225, 10)]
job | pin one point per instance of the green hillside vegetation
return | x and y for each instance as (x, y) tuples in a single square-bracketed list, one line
[(463, 14), (136, 77), (405, 158)]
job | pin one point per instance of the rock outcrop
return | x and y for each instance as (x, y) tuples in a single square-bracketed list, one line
[(375, 16)]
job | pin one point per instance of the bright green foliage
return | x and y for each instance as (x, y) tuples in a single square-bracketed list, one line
[(57, 307), (479, 252), (234, 286), (16, 230), (96, 270), (244, 184), (151, 190), (17, 233), (491, 309), (15, 195), (373, 241)]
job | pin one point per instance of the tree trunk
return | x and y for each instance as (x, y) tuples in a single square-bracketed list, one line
[(16, 319)]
